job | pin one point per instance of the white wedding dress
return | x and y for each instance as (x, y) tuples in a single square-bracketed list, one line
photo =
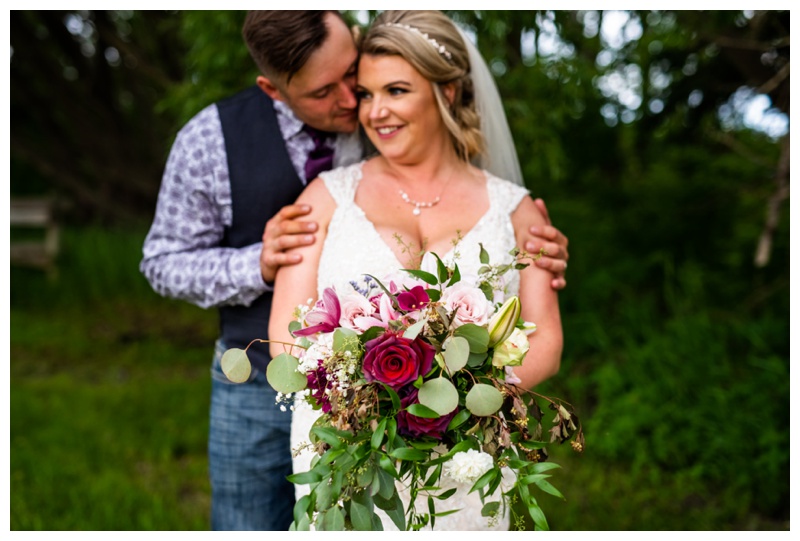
[(352, 248)]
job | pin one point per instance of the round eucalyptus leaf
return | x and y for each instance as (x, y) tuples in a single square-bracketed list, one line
[(439, 394), (235, 365), (456, 353), (283, 376), (483, 400)]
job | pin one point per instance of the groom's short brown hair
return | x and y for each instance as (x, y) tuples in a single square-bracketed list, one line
[(281, 41)]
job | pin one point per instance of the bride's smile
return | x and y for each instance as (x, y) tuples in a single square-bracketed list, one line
[(398, 110)]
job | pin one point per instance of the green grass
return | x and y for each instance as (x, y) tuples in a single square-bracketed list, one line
[(109, 395), (109, 414)]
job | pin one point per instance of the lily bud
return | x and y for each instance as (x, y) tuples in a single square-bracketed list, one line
[(504, 321)]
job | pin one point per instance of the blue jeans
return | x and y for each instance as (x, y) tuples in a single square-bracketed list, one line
[(248, 454)]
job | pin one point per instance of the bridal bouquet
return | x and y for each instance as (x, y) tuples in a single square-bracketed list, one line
[(415, 385)]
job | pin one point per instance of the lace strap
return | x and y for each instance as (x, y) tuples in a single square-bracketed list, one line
[(505, 195), (342, 183)]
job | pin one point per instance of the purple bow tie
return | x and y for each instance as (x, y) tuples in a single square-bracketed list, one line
[(321, 156)]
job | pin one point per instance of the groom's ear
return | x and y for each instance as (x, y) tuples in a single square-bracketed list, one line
[(269, 88)]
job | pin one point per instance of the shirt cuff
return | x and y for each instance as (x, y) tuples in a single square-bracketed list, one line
[(247, 268)]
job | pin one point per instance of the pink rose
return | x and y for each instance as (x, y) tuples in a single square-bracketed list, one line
[(355, 308), (411, 425), (396, 361), (469, 302)]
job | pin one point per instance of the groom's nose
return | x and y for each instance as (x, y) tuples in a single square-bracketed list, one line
[(347, 96)]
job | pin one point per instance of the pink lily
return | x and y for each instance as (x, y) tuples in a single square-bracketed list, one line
[(324, 317)]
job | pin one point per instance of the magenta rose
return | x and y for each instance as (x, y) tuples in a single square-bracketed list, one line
[(411, 425), (396, 361)]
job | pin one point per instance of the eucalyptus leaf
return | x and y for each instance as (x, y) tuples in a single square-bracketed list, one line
[(301, 507), (304, 478), (439, 394), (235, 365), (375, 486), (333, 520), (387, 466), (343, 339), (303, 525), (397, 512), (387, 489), (414, 330), (476, 360), (478, 337), (361, 511), (483, 400), (323, 495), (456, 353), (283, 376)]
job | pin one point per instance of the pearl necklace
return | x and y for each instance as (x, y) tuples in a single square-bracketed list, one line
[(419, 205)]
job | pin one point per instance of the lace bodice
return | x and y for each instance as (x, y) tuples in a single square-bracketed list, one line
[(354, 247)]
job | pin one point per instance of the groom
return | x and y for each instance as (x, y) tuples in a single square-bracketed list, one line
[(225, 218)]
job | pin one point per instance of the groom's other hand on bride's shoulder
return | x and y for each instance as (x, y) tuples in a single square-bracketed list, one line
[(554, 243), (284, 231)]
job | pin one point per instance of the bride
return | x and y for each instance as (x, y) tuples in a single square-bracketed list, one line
[(418, 86)]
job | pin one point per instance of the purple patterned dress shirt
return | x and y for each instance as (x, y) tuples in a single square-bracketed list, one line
[(183, 258)]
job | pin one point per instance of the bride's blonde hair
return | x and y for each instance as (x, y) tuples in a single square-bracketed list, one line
[(430, 42)]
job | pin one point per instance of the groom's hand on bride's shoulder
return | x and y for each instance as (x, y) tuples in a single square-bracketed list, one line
[(284, 231), (554, 243)]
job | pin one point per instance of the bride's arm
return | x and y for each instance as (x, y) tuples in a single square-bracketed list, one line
[(296, 284), (539, 305)]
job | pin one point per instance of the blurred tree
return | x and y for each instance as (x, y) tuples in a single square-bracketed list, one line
[(84, 87)]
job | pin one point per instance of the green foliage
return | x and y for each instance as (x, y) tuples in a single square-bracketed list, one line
[(217, 62)]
